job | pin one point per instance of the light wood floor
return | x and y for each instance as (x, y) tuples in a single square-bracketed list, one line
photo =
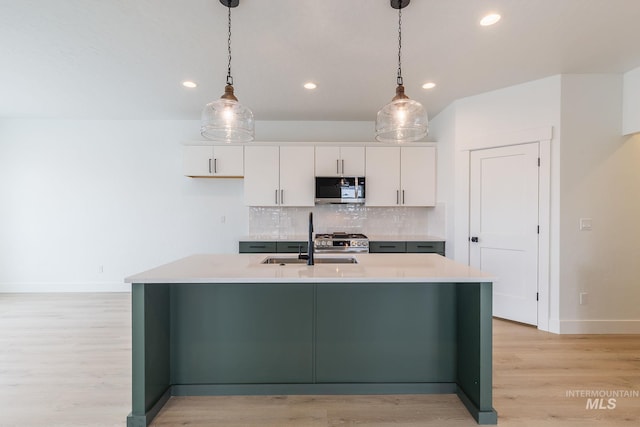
[(65, 361)]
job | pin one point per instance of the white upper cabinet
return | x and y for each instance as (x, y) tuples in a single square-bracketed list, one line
[(383, 176), (418, 176), (279, 176), (262, 176), (401, 176), (213, 161), (340, 161), (297, 183)]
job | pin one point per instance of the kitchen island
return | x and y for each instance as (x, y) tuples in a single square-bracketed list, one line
[(388, 324)]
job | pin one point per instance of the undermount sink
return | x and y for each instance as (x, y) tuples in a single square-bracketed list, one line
[(280, 260)]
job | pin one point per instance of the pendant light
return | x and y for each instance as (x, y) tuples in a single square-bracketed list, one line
[(403, 119), (225, 119)]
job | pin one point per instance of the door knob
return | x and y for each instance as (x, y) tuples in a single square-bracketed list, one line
[(474, 239)]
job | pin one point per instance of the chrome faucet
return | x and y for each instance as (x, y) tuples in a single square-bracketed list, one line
[(309, 255)]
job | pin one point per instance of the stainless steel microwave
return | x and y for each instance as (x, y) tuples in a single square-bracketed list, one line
[(340, 189)]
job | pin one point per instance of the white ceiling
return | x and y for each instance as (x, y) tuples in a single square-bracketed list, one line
[(126, 59)]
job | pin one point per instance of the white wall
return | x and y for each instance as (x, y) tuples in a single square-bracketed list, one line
[(315, 131), (631, 102), (85, 203), (600, 179), (443, 129), (594, 174), (483, 121)]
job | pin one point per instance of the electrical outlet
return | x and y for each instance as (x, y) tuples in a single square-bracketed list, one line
[(585, 224), (583, 298)]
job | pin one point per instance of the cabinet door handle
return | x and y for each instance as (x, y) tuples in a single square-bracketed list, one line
[(343, 166), (210, 166), (276, 196), (338, 166), (281, 197), (397, 197), (403, 197), (215, 165)]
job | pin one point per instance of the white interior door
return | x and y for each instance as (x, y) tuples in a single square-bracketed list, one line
[(503, 226)]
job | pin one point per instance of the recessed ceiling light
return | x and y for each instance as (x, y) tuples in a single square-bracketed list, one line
[(310, 85), (490, 19), (189, 84), (429, 85)]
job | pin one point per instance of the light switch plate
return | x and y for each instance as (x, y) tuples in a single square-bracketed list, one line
[(585, 224)]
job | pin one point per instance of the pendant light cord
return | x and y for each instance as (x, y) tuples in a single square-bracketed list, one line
[(400, 46), (229, 78)]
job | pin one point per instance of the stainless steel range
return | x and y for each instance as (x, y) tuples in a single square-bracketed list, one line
[(340, 242)]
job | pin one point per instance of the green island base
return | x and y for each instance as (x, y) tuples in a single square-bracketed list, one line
[(208, 339)]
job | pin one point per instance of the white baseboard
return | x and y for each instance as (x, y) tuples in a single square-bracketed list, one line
[(600, 326), (64, 287), (553, 326)]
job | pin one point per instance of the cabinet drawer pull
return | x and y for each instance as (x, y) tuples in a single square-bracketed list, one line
[(257, 246), (387, 246), (425, 246)]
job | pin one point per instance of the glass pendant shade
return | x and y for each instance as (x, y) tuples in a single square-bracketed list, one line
[(401, 120), (227, 120)]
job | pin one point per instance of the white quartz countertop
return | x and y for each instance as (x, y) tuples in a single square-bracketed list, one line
[(288, 238), (403, 238), (372, 237), (248, 268)]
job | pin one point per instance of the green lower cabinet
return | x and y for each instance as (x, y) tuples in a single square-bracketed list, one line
[(406, 247), (374, 247), (272, 247), (387, 247), (385, 333), (426, 247), (242, 334), (256, 247), (291, 247)]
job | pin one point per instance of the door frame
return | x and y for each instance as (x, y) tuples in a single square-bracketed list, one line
[(543, 137)]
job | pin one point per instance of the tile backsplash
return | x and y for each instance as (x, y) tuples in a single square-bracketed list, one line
[(283, 222)]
